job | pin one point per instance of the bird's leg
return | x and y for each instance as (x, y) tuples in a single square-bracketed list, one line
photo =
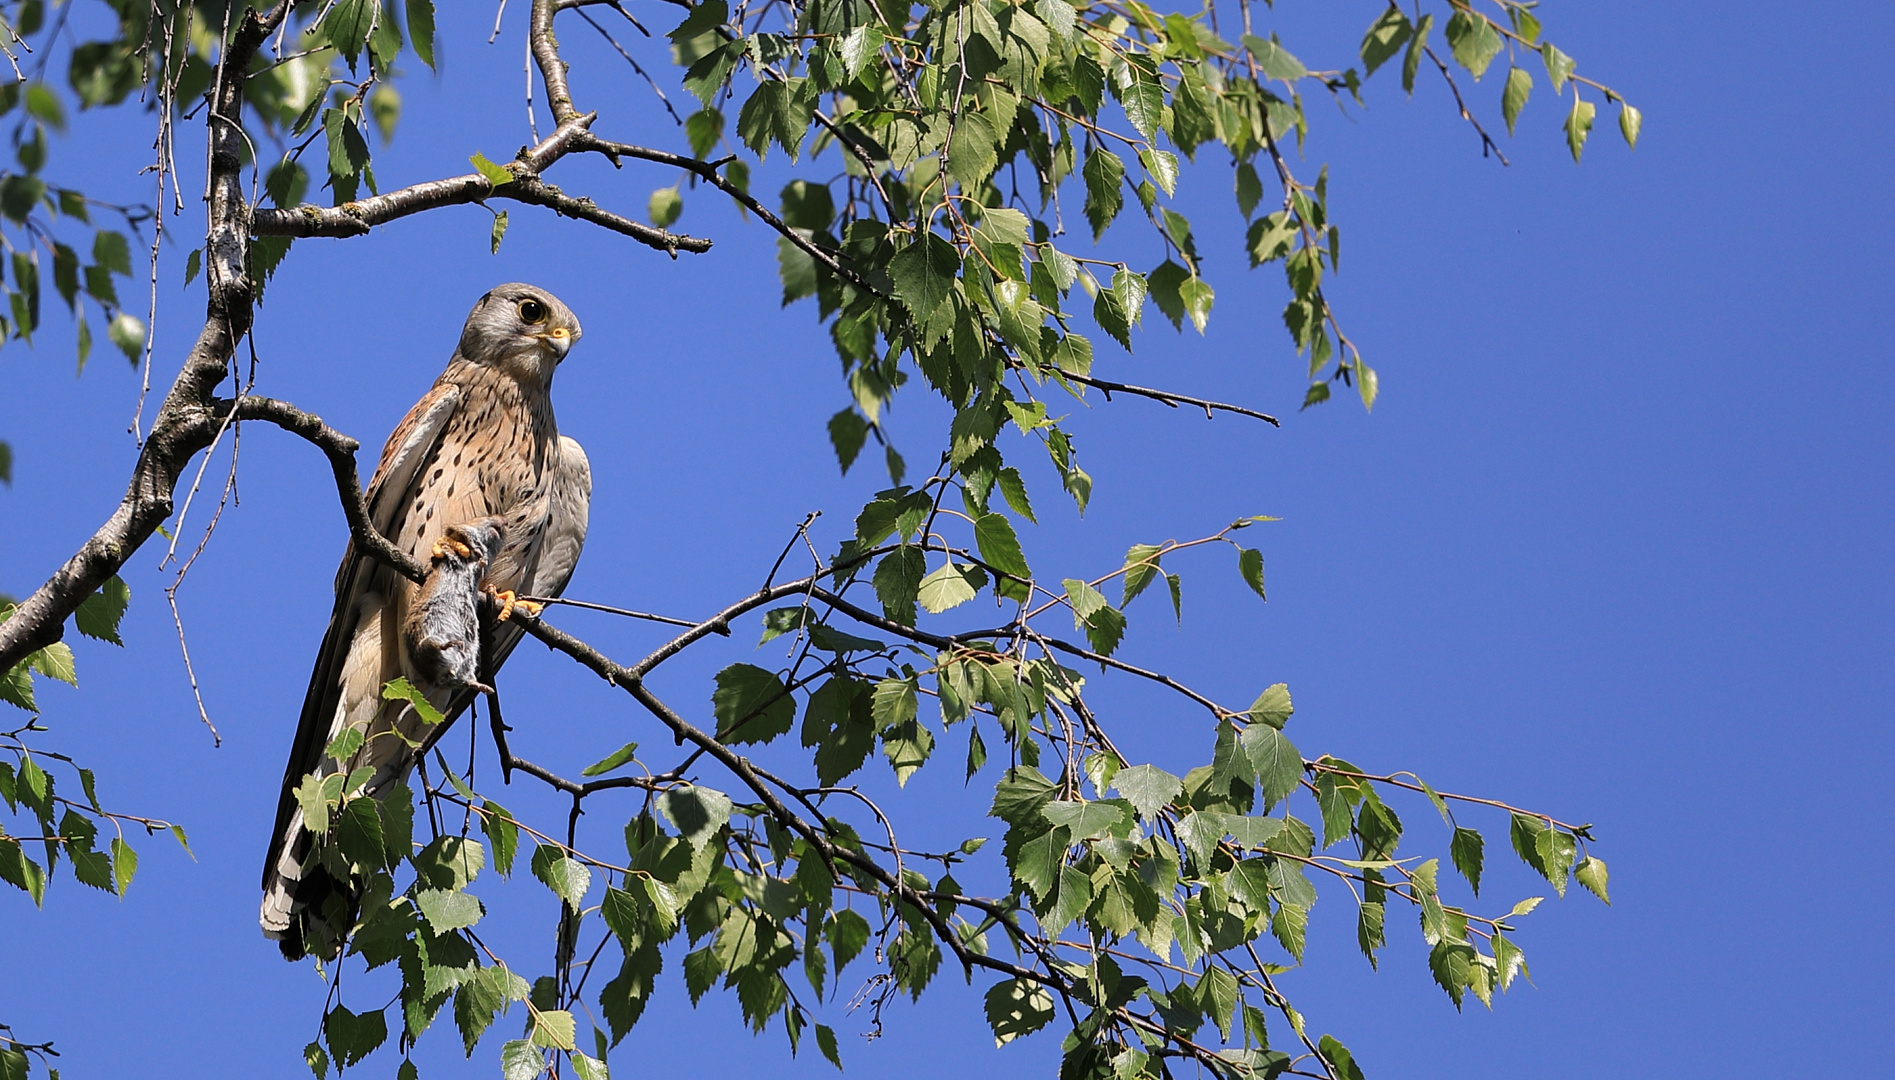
[(448, 544), (510, 600)]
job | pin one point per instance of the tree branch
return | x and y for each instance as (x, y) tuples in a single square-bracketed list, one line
[(340, 449), (1168, 398), (358, 217), (183, 426), (707, 171)]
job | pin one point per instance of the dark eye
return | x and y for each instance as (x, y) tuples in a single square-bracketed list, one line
[(532, 311)]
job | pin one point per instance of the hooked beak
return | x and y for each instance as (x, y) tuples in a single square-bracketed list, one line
[(558, 339)]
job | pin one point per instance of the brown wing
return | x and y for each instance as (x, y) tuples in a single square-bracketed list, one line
[(360, 582)]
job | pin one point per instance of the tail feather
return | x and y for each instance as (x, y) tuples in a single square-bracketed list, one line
[(305, 909)]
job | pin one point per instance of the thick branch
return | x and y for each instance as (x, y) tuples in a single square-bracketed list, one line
[(182, 426), (546, 54), (358, 217)]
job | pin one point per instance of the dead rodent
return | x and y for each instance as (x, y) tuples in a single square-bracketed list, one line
[(442, 631)]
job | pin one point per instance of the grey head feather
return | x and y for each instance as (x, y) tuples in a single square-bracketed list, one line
[(521, 329)]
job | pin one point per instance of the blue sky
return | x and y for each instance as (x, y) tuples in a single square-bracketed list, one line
[(1614, 544)]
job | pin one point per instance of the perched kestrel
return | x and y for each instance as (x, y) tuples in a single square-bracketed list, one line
[(481, 443)]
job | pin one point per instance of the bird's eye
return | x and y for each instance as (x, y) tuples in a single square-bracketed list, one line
[(532, 311)]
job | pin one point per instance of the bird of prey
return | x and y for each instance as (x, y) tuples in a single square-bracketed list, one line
[(482, 443)]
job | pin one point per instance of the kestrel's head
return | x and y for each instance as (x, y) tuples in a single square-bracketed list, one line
[(521, 329)]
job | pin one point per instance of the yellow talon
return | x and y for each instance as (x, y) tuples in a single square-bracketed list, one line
[(510, 600), (507, 602), (448, 544)]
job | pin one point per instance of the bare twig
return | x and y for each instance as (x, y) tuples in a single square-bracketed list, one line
[(1167, 397)]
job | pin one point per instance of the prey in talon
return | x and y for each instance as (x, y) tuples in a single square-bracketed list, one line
[(442, 630)]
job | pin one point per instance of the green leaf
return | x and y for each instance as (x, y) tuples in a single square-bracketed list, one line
[(110, 250), (948, 587), (348, 151), (751, 705), (1141, 569), (566, 876), (1197, 296), (400, 689), (125, 865), (55, 662), (1466, 850), (421, 30), (1273, 706), (703, 128), (1271, 237), (696, 812), (353, 1036), (1274, 60), (923, 274), (502, 833), (664, 206), (127, 331), (497, 175), (1384, 39), (521, 1060), (1164, 282), (860, 48), (1250, 565), (448, 911), (1090, 820), (43, 105), (315, 1058), (347, 26), (1514, 97), (897, 583), (826, 1042), (1417, 45), (1474, 39), (1591, 873), (1508, 960), (1013, 489), (1104, 173), (1018, 1007), (385, 107), (1148, 788), (1341, 1063), (499, 232), (1249, 188), (847, 433), (1279, 766), (1579, 124), (1367, 384), (1163, 167), (974, 149), (1144, 103), (553, 1029), (1559, 66), (449, 862), (611, 761), (1000, 549), (1630, 120)]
